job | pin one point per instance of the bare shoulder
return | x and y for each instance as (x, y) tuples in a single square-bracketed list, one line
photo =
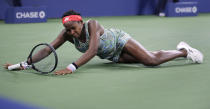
[(93, 24), (92, 21)]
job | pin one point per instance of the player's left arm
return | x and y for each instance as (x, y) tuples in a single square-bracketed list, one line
[(95, 29)]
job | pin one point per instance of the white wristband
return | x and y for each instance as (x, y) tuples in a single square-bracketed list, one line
[(15, 66), (25, 65), (71, 67)]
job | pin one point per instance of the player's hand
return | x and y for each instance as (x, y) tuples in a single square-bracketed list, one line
[(63, 72), (7, 65)]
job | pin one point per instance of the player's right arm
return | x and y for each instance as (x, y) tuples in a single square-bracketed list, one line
[(60, 40), (46, 51)]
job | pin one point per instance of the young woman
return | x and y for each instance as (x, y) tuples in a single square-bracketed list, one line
[(115, 45)]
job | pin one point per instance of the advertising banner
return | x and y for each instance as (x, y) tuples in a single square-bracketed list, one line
[(182, 9), (26, 14)]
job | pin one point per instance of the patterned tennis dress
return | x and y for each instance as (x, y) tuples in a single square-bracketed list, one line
[(110, 46)]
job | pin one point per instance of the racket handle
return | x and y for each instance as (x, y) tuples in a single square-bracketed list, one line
[(15, 66)]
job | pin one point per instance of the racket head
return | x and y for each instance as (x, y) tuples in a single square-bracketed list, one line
[(47, 64)]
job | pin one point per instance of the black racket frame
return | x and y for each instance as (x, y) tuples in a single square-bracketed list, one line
[(53, 51)]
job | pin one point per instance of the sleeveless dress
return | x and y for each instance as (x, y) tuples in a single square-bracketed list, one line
[(110, 46)]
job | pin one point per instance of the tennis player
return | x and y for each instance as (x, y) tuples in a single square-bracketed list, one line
[(93, 39)]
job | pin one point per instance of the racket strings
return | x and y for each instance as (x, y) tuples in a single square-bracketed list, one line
[(43, 59)]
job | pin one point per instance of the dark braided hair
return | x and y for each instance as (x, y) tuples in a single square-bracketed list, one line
[(70, 12)]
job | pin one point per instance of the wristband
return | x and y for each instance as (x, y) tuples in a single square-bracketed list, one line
[(25, 65), (73, 67)]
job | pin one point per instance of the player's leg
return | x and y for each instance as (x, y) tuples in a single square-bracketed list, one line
[(127, 58), (137, 53)]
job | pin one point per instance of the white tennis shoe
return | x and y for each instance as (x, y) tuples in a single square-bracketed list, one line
[(192, 53)]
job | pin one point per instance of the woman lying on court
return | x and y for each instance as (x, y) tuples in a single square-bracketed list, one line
[(115, 45)]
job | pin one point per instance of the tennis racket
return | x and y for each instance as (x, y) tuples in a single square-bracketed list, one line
[(42, 58)]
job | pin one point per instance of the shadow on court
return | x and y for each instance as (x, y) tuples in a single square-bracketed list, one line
[(110, 66), (135, 66)]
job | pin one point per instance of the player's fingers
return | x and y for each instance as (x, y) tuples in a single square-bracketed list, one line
[(68, 71), (5, 66), (58, 73), (63, 72)]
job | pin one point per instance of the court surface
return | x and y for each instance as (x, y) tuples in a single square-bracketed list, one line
[(178, 84)]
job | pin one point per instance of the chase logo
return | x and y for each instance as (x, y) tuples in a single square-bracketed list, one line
[(42, 14), (186, 9), (194, 9), (21, 15)]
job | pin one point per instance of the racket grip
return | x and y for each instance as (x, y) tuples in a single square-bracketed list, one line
[(15, 66)]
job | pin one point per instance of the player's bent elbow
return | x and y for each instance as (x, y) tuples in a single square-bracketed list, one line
[(93, 52)]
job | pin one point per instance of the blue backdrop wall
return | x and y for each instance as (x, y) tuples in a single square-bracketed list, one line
[(55, 8)]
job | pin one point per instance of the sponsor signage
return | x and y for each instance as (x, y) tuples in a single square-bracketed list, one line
[(26, 14), (182, 9)]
